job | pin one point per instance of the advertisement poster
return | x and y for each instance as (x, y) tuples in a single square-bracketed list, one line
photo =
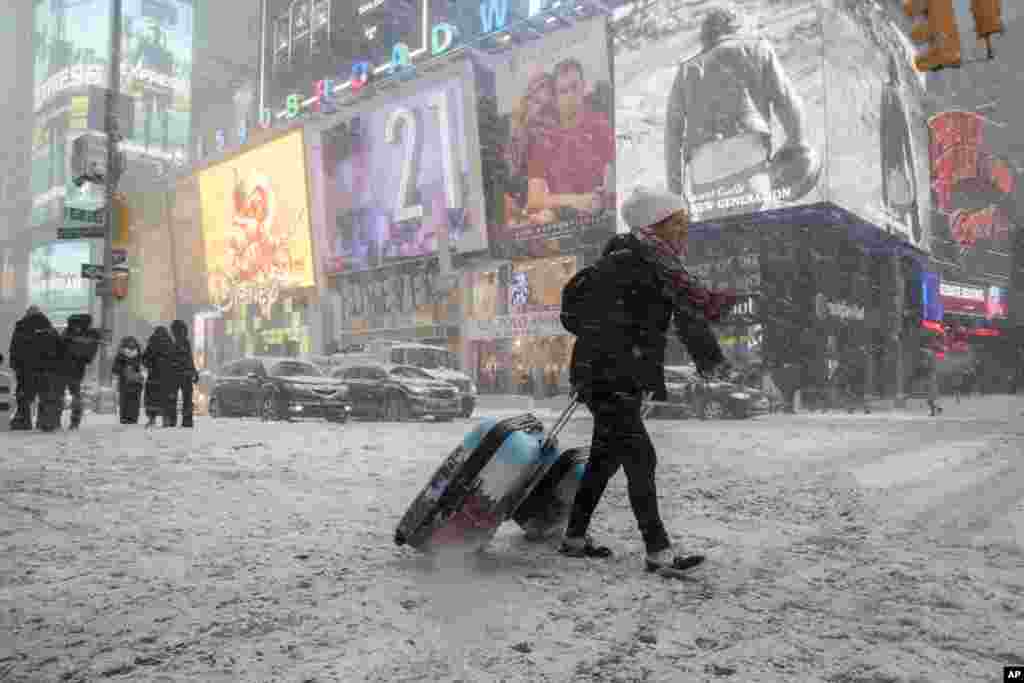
[(256, 226), (518, 300), (971, 186), (878, 141), (962, 298), (55, 282), (556, 190), (71, 59), (394, 175), (723, 104)]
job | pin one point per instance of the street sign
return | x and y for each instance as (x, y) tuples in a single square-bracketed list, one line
[(74, 216), (81, 233), (92, 271)]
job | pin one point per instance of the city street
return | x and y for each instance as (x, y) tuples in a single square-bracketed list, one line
[(884, 547)]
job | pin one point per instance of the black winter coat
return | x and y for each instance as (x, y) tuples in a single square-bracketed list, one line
[(36, 345), (122, 363), (626, 351), (80, 344), (158, 361), (183, 365)]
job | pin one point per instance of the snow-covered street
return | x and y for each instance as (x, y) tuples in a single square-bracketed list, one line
[(883, 547)]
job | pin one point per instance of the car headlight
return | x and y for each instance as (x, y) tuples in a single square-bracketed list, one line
[(740, 396)]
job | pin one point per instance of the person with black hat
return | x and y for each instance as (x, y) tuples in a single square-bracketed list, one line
[(638, 286)]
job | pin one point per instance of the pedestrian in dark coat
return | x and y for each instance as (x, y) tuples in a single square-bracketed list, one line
[(81, 342), (36, 358), (128, 370), (619, 357), (159, 373), (184, 376)]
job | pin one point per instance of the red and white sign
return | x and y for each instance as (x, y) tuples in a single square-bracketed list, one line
[(962, 298)]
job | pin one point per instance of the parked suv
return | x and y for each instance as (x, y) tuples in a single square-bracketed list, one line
[(278, 389), (398, 392), (441, 364)]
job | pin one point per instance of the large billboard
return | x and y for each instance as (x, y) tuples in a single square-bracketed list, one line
[(55, 282), (722, 103), (554, 178), (256, 226), (71, 66), (398, 170), (878, 141), (973, 190)]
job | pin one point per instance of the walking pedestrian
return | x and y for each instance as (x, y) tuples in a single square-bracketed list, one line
[(159, 374), (930, 376), (635, 290), (81, 342), (184, 375), (35, 353), (128, 370)]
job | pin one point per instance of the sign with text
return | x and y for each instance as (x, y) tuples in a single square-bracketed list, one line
[(542, 324), (958, 298), (93, 271)]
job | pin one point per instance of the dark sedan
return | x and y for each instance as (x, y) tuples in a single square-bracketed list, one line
[(689, 395), (278, 389), (398, 392)]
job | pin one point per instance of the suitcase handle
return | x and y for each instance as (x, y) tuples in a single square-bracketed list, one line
[(563, 419)]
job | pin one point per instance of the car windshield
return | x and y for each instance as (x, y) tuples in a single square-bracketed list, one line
[(411, 372), (432, 359), (295, 369)]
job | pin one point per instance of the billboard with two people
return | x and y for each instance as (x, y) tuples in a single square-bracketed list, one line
[(549, 120)]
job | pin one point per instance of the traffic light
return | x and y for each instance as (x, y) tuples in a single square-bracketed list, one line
[(939, 29)]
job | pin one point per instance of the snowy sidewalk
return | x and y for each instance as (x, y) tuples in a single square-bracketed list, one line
[(839, 550)]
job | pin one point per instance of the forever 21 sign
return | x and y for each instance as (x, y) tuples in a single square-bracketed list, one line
[(396, 293)]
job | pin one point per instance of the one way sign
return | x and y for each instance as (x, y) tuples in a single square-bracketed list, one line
[(92, 271)]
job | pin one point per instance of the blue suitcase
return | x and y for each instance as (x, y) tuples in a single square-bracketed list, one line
[(546, 510), (481, 483)]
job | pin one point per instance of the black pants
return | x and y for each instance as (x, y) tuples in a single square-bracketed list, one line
[(620, 438), (183, 385), (48, 388), (129, 402)]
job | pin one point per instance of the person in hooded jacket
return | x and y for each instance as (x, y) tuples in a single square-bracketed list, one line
[(158, 361), (619, 359), (128, 370), (81, 342), (36, 358), (184, 375)]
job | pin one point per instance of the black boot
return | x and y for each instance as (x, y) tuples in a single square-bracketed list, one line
[(22, 420), (187, 422)]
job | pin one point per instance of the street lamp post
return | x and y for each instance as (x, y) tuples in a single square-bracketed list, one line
[(113, 96)]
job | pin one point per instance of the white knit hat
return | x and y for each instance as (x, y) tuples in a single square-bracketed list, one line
[(645, 207)]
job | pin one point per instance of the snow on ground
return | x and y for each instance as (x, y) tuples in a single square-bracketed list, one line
[(885, 547)]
